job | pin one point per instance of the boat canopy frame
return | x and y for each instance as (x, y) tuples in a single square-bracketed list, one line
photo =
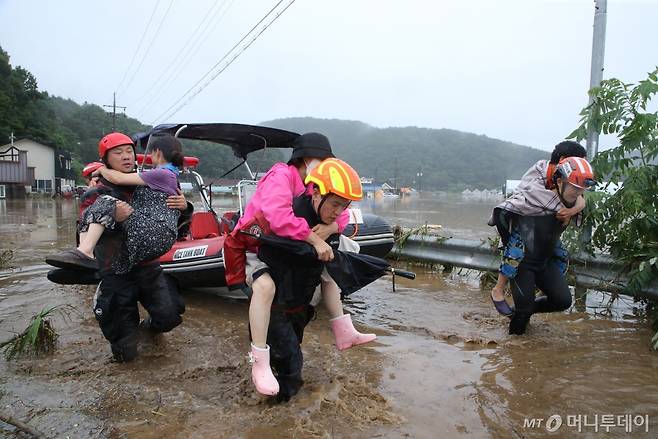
[(242, 139)]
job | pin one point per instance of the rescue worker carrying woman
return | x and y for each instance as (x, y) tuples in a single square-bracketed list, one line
[(536, 234)]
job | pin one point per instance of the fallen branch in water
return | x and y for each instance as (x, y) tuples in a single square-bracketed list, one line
[(21, 426)]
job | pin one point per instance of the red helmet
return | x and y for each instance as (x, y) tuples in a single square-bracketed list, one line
[(90, 168), (113, 140), (575, 170)]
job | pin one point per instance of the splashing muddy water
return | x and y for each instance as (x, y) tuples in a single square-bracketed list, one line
[(442, 366)]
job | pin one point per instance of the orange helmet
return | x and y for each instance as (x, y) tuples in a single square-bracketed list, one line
[(90, 168), (334, 176), (575, 170)]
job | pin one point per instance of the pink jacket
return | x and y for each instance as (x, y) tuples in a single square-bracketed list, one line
[(273, 198)]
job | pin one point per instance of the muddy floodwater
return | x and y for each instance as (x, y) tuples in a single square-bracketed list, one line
[(442, 366)]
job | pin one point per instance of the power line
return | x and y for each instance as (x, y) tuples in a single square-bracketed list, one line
[(148, 50), (169, 113), (205, 38), (139, 46), (176, 58), (187, 58), (180, 62)]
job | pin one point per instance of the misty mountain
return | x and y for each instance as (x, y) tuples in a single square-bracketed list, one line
[(448, 159)]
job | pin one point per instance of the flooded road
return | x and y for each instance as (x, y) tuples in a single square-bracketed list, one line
[(442, 366)]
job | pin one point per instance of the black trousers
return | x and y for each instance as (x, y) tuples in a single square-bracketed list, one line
[(550, 281), (116, 308), (284, 335)]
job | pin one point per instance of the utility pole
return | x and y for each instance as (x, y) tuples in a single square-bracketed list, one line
[(596, 75), (114, 110)]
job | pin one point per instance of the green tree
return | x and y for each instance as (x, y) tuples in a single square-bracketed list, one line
[(625, 223)]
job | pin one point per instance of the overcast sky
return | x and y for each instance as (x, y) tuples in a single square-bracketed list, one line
[(514, 70)]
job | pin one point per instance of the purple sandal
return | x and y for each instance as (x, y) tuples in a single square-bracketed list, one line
[(502, 307)]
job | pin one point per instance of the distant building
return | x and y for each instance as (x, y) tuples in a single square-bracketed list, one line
[(14, 172), (29, 166), (388, 191), (484, 194), (369, 186)]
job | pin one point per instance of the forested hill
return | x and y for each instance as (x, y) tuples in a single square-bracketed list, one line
[(30, 113), (448, 159)]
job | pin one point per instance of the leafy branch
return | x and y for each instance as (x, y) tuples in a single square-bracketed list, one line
[(624, 215)]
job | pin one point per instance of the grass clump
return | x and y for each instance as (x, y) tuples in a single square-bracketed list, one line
[(37, 339)]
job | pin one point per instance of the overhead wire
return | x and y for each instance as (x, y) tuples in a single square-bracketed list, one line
[(148, 50), (172, 109), (176, 58), (187, 57), (190, 56), (139, 46)]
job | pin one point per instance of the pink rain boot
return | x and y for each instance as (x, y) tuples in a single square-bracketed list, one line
[(261, 372), (346, 335)]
